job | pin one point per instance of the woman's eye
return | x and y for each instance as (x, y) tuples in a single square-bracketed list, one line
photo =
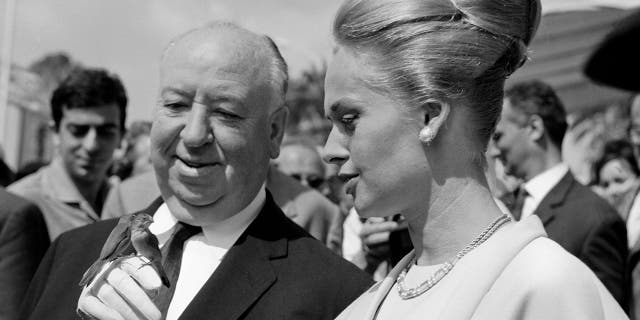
[(348, 119)]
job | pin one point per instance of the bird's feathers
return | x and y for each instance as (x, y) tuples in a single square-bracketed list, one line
[(129, 237)]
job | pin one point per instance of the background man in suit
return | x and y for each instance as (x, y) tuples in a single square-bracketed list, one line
[(528, 140), (23, 242), (89, 113), (219, 120)]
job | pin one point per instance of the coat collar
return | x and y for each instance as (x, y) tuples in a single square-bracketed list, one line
[(555, 198), (245, 272)]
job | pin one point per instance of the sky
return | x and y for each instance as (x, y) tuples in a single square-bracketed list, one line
[(127, 36)]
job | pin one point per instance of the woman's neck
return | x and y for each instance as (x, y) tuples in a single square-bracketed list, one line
[(458, 212)]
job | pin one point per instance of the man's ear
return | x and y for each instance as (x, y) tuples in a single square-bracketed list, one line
[(55, 137), (434, 114), (536, 127), (277, 124)]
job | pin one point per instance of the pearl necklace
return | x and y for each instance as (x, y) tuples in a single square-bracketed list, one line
[(408, 293)]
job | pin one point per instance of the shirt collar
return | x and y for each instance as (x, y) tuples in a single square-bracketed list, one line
[(223, 234), (59, 185), (539, 186)]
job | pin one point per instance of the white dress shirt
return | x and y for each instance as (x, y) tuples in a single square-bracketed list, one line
[(204, 251), (539, 186)]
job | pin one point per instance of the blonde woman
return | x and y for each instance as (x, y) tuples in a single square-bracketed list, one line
[(414, 91)]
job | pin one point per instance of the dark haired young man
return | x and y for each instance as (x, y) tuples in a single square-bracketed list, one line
[(89, 112)]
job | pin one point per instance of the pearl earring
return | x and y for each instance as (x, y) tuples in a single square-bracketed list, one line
[(427, 135)]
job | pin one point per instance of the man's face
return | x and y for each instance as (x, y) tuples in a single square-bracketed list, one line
[(87, 138), (214, 131), (511, 141), (303, 164)]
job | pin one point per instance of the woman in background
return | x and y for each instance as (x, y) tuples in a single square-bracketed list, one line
[(617, 179), (414, 92)]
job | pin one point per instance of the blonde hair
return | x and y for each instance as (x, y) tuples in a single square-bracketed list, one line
[(449, 50)]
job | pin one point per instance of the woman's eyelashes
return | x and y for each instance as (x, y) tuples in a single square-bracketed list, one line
[(348, 121)]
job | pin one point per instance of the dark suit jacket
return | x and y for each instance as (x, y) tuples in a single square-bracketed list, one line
[(23, 242), (275, 270), (589, 228)]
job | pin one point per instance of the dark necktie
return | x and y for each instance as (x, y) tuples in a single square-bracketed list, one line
[(171, 260), (516, 210)]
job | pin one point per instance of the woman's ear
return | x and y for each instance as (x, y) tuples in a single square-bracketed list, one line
[(434, 114)]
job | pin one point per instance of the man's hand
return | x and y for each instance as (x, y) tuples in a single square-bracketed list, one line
[(121, 291)]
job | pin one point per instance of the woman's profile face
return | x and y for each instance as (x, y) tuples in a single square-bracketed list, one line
[(616, 178), (374, 141)]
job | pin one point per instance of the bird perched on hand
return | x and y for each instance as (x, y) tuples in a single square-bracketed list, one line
[(130, 237)]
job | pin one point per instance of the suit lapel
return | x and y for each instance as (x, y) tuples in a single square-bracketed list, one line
[(555, 198), (245, 272)]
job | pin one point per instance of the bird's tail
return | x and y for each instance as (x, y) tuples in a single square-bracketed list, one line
[(91, 272)]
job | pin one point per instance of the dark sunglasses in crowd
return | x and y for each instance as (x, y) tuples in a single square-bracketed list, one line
[(311, 181)]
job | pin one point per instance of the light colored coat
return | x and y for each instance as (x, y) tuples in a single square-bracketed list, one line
[(517, 273)]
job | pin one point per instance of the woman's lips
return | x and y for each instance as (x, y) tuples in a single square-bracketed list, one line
[(350, 181)]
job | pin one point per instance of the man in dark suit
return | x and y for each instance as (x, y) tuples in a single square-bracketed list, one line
[(219, 120), (528, 141), (23, 242)]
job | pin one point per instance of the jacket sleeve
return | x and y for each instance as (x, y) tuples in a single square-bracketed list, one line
[(23, 242), (38, 283), (605, 251)]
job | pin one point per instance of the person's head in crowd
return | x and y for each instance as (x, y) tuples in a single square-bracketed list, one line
[(301, 160), (89, 111), (409, 106), (616, 171), (220, 118), (136, 157), (530, 132)]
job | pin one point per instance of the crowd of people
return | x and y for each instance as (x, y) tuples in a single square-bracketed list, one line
[(253, 223)]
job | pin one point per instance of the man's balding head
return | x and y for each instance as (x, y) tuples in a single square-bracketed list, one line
[(245, 49), (220, 119)]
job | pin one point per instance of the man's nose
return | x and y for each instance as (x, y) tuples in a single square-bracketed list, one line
[(197, 131), (334, 152), (90, 140)]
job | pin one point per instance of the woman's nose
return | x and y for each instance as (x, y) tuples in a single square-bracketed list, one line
[(334, 151)]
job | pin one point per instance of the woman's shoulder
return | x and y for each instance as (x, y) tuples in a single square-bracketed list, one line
[(544, 259), (544, 280), (543, 265)]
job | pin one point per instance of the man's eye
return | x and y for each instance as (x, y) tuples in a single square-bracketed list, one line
[(496, 136), (175, 106), (77, 130), (108, 131), (228, 115)]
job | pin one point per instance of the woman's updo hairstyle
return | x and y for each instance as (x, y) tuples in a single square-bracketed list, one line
[(447, 50)]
